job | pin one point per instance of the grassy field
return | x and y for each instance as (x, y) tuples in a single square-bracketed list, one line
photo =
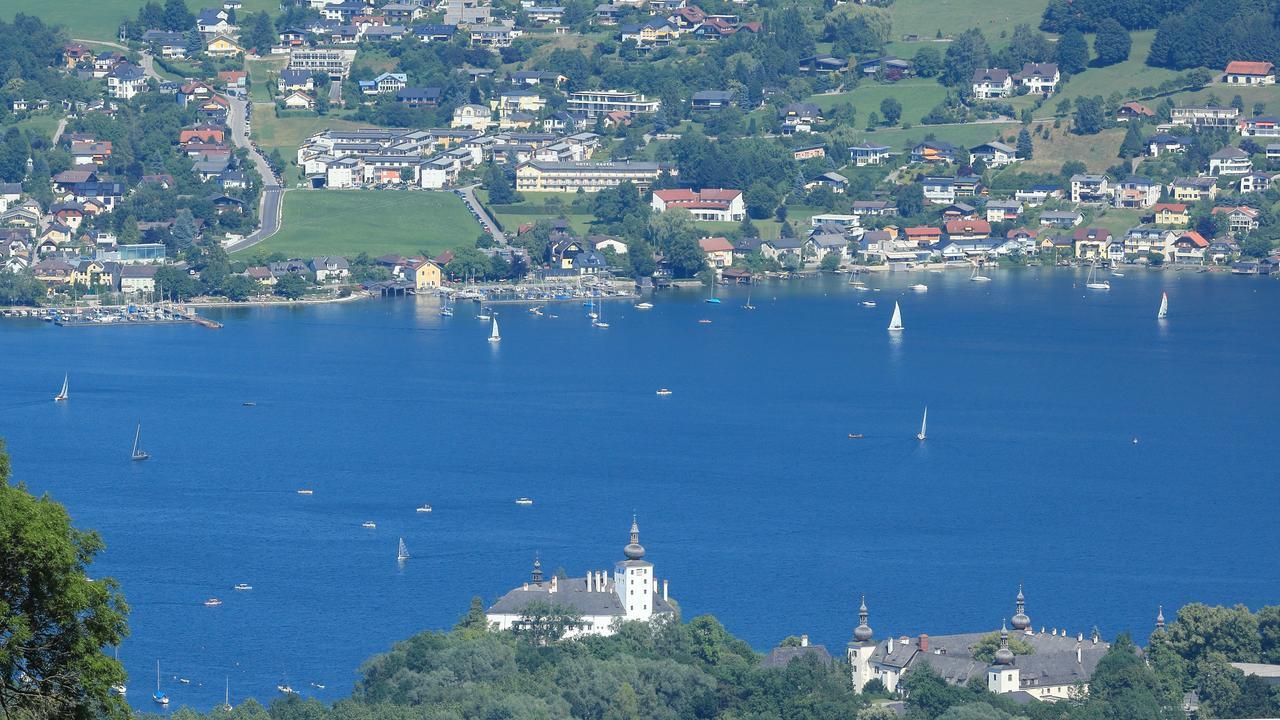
[(952, 17), (1118, 221), (918, 96), (42, 124), (961, 135), (261, 73), (1132, 73), (99, 19), (286, 134), (378, 222), (1097, 152), (1268, 96)]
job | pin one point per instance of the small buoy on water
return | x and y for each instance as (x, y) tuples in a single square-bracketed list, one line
[(1135, 441)]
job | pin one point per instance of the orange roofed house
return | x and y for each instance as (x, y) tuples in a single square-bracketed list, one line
[(716, 204), (719, 251), (1244, 72)]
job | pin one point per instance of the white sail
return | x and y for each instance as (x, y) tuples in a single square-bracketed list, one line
[(923, 423), (402, 552), (895, 323), (62, 394), (137, 434), (1164, 306), (493, 332)]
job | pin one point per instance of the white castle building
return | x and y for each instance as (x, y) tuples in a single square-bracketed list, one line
[(631, 593), (1059, 667)]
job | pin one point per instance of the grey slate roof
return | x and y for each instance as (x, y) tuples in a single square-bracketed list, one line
[(1053, 663), (782, 656), (571, 592)]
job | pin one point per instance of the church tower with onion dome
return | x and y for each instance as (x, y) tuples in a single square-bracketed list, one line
[(1020, 621), (1003, 676), (633, 579), (861, 648)]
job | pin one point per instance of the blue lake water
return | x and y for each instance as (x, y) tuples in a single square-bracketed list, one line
[(752, 501)]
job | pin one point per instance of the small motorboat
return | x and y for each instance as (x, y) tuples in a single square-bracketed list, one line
[(713, 301), (305, 491), (369, 524), (212, 602), (243, 586), (704, 321), (524, 501), (318, 686), (855, 436), (284, 688), (184, 681), (920, 287), (644, 306), (868, 303), (663, 392), (249, 403), (423, 509)]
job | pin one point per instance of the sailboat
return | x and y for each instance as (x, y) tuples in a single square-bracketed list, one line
[(485, 313), (402, 552), (1164, 306), (895, 323), (138, 453), (591, 311), (159, 697), (923, 422), (748, 306), (446, 310), (1092, 282), (599, 321), (975, 277), (62, 394), (226, 696), (493, 332), (119, 688)]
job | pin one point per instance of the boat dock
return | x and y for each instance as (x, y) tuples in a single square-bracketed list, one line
[(128, 315), (541, 293)]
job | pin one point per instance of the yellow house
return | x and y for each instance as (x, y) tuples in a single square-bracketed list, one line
[(1192, 190), (1172, 215), (223, 46), (86, 272), (426, 275)]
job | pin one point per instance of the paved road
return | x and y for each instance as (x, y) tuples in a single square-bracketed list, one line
[(57, 132), (335, 93), (269, 210), (145, 61), (469, 198)]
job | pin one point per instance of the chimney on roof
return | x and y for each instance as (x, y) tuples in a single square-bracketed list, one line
[(1079, 655), (664, 590), (924, 643), (804, 640), (590, 585), (555, 582), (890, 650)]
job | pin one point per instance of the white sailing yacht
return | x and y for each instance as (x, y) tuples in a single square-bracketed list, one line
[(895, 323), (1164, 306), (599, 319), (923, 422), (138, 453), (159, 697), (62, 394), (402, 552), (226, 696), (119, 688), (975, 277), (1092, 281), (493, 332), (748, 306), (446, 310)]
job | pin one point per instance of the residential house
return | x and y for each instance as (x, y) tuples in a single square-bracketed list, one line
[(1147, 240), (962, 230), (1189, 248), (403, 12), (423, 273), (1172, 215), (1193, 189), (90, 152), (993, 154), (419, 97), (1037, 195), (1230, 161), (989, 83), (710, 100), (1134, 111), (434, 32), (510, 101), (1202, 116), (782, 249), (168, 45), (809, 152), (800, 117), (537, 77), (125, 81), (223, 46), (476, 117), (298, 101), (1241, 220), (1002, 210), (136, 279), (214, 21), (834, 180), (1245, 72), (718, 250), (594, 103), (887, 68), (819, 245), (873, 207), (939, 189), (1162, 143), (329, 268), (868, 153), (654, 32), (934, 151), (385, 84), (1091, 243), (1038, 78), (1261, 126), (1060, 218), (822, 65), (714, 204), (542, 176), (544, 14), (1256, 182), (1137, 191), (1088, 188)]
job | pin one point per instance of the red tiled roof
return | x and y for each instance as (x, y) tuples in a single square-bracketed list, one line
[(1247, 67), (968, 227), (709, 198), (715, 244), (1171, 207), (923, 231), (1196, 238), (1091, 233)]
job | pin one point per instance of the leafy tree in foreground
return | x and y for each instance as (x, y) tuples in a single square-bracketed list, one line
[(891, 109), (1073, 51), (1112, 43), (291, 286), (1026, 150), (54, 621)]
